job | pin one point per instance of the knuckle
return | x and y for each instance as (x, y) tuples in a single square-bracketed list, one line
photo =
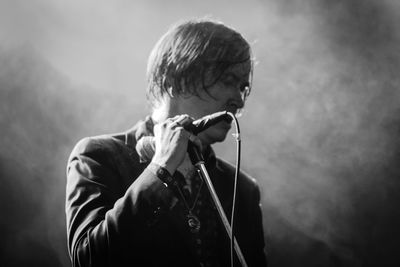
[(165, 123)]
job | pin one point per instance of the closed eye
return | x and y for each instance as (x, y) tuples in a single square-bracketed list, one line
[(230, 80)]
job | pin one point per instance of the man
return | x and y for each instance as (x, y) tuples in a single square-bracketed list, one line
[(132, 203)]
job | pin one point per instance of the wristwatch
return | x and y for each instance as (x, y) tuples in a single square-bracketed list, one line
[(163, 174)]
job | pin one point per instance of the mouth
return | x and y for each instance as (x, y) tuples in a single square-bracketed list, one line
[(231, 109), (234, 109), (228, 119)]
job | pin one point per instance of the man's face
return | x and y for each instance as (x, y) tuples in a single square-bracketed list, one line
[(228, 93)]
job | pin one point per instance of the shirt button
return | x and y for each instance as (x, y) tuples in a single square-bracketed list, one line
[(157, 210)]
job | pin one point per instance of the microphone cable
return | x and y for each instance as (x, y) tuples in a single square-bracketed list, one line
[(237, 168)]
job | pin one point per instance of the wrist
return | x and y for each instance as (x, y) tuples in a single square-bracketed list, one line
[(165, 164), (162, 173)]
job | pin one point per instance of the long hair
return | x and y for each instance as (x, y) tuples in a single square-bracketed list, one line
[(193, 55)]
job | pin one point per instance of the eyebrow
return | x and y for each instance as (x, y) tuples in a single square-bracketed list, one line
[(237, 78)]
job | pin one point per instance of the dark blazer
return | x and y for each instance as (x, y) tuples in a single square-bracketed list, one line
[(119, 212)]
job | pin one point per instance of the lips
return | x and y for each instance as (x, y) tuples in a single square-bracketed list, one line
[(231, 110)]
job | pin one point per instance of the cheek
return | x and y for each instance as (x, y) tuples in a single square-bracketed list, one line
[(216, 97), (197, 108), (206, 104), (211, 107), (205, 109)]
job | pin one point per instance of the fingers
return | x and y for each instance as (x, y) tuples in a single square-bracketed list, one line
[(171, 141), (181, 120), (178, 124)]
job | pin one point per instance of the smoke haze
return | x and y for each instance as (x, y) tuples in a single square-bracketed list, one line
[(320, 131)]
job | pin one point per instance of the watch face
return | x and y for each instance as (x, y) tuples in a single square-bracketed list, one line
[(164, 175), (162, 172)]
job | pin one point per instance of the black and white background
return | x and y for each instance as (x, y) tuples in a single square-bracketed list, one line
[(320, 131)]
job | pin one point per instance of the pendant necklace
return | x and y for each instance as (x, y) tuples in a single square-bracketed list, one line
[(192, 220)]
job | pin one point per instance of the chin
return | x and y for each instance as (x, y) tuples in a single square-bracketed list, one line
[(213, 135), (219, 139)]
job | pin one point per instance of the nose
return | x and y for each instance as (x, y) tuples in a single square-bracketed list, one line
[(240, 97), (241, 101)]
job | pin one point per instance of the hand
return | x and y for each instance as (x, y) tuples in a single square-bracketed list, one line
[(171, 141)]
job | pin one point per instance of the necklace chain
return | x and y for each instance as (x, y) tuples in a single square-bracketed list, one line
[(195, 200), (192, 220)]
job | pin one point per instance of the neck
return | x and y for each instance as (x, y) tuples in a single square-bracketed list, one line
[(163, 111)]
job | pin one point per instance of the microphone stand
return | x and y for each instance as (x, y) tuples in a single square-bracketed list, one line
[(198, 161)]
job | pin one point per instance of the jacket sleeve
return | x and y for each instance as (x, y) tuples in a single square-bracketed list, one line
[(103, 217)]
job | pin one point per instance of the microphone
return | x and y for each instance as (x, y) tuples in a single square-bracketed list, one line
[(205, 122), (146, 145)]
